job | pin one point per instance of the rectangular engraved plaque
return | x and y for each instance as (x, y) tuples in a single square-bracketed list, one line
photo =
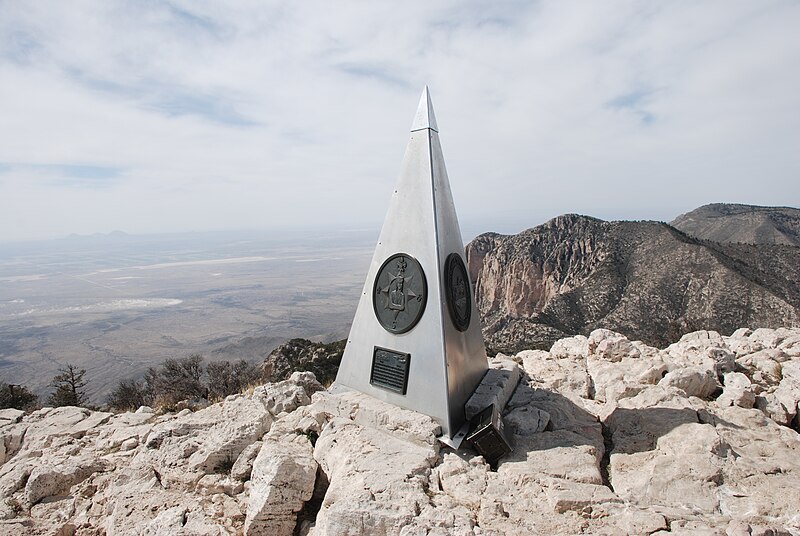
[(390, 369)]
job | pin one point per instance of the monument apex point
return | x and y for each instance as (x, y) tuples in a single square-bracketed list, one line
[(425, 118)]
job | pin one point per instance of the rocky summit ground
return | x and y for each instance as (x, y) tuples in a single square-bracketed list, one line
[(611, 437)]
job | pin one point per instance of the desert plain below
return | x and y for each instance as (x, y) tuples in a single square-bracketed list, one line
[(117, 304)]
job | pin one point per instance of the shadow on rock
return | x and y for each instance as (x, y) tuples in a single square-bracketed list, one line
[(638, 430), (553, 435)]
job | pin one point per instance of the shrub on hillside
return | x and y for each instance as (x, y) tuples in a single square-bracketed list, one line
[(176, 380), (17, 397), (129, 395), (69, 387), (227, 378), (184, 379)]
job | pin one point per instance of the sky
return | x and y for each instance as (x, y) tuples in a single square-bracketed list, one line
[(155, 116)]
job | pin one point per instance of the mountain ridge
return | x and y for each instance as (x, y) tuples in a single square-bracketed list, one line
[(733, 222), (645, 279)]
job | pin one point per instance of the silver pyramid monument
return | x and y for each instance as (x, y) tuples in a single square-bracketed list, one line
[(416, 340)]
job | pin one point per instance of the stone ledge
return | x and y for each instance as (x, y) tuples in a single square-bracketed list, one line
[(496, 387)]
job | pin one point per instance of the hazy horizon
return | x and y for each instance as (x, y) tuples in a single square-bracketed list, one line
[(469, 228), (118, 305)]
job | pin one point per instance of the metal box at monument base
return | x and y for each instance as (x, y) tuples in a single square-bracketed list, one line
[(416, 340), (487, 434)]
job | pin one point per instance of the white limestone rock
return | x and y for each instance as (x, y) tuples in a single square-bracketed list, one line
[(67, 424), (628, 519), (737, 392), (46, 480), (740, 344), (527, 420), (623, 377), (10, 416), (788, 391), (288, 395), (564, 372), (576, 347), (770, 338), (567, 496), (559, 454), (192, 445), (165, 514), (495, 388), (611, 346), (124, 428), (705, 349), (763, 367), (680, 469), (762, 477), (791, 344), (694, 381), (364, 410), (377, 481), (284, 473), (170, 521), (243, 466), (215, 484), (771, 406), (651, 453), (464, 481), (307, 381), (129, 444)]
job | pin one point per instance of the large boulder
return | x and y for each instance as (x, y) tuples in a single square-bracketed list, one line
[(283, 477), (377, 481), (565, 373), (611, 346), (738, 391), (705, 349), (694, 381)]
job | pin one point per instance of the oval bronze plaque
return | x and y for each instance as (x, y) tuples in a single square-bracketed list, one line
[(399, 293), (457, 291)]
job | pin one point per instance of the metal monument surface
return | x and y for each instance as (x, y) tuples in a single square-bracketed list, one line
[(416, 340)]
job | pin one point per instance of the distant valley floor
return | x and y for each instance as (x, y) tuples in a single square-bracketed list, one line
[(118, 307)]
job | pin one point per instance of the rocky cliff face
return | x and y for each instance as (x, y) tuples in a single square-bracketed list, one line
[(647, 280), (611, 437), (304, 355), (748, 224)]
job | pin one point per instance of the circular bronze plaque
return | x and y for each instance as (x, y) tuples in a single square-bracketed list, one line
[(457, 291), (400, 293)]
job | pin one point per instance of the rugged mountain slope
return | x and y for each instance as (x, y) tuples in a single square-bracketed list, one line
[(646, 280), (304, 355), (749, 224)]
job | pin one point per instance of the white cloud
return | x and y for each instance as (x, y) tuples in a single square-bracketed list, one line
[(245, 114)]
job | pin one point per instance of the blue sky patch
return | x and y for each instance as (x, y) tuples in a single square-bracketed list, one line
[(194, 22), (83, 176), (634, 102), (166, 99), (215, 109), (20, 47), (99, 84), (378, 73), (77, 175)]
